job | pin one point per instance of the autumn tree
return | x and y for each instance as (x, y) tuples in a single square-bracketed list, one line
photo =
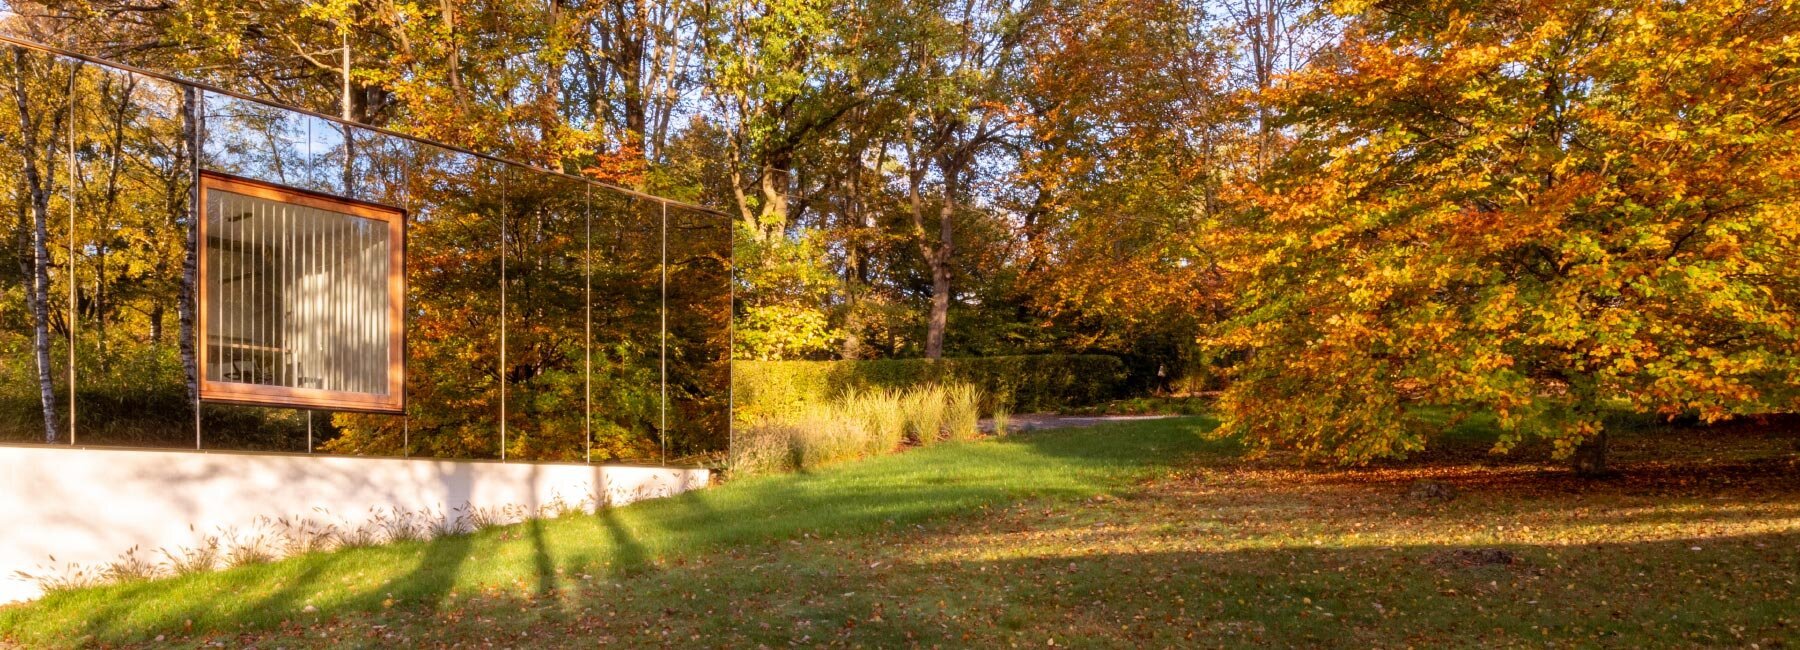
[(959, 59), (781, 78), (1134, 122), (1543, 210)]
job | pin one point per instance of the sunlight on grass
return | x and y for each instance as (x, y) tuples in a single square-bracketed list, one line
[(541, 557), (1133, 535)]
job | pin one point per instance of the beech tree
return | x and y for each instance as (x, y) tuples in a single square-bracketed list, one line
[(1544, 210)]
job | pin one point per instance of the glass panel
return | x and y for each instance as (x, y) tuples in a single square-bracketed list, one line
[(625, 303), (255, 141), (699, 348), (133, 237), (328, 157), (232, 427), (585, 284), (35, 306), (546, 237), (453, 315), (383, 167)]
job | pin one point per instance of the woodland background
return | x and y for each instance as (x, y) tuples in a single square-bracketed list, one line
[(1336, 214)]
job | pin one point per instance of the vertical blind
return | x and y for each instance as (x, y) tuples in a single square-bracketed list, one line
[(298, 296)]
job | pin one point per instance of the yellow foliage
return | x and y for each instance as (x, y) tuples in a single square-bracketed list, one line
[(1536, 208)]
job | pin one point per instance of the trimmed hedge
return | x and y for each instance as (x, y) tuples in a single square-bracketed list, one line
[(1021, 384)]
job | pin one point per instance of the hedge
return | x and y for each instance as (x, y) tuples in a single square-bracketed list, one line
[(1022, 384)]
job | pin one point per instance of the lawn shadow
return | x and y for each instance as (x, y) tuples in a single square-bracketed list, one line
[(541, 561), (627, 553), (1615, 594)]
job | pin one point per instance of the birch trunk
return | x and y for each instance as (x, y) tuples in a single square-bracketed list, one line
[(190, 259), (37, 271)]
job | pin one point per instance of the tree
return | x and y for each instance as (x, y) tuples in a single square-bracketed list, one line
[(1133, 125), (780, 76), (1540, 209), (957, 63), (40, 128)]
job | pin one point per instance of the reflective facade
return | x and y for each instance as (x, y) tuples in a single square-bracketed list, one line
[(545, 317)]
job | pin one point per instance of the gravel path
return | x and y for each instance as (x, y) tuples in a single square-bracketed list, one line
[(1037, 421)]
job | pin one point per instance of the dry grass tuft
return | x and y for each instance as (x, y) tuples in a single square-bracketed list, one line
[(858, 425), (962, 412)]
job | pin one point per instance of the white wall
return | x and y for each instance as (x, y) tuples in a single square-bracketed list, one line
[(90, 505)]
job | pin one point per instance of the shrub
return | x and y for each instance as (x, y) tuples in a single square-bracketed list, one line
[(827, 435), (439, 524), (1020, 384), (1150, 406), (254, 548), (130, 568), (821, 435), (366, 535), (69, 577), (394, 525), (299, 536)]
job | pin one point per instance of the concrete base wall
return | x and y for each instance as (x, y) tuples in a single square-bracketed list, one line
[(89, 506)]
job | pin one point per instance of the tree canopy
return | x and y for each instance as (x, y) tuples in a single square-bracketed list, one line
[(1338, 214), (1539, 210)]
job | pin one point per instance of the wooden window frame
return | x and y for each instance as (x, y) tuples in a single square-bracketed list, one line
[(295, 397)]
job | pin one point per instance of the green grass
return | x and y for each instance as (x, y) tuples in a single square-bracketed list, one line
[(545, 557), (1128, 536)]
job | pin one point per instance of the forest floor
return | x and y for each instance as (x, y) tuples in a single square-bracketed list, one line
[(1135, 534)]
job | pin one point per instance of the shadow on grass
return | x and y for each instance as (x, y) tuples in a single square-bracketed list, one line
[(1737, 591), (944, 480), (626, 552)]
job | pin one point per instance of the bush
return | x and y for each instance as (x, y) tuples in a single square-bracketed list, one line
[(1019, 384)]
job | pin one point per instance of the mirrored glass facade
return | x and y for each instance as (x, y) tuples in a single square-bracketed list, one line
[(544, 317)]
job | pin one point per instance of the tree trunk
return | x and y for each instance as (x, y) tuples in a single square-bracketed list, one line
[(453, 56), (1590, 456), (190, 259), (350, 185), (156, 325), (940, 260), (940, 310), (38, 268), (773, 218), (856, 262), (630, 34)]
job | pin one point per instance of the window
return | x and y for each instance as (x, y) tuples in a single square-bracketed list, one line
[(300, 298)]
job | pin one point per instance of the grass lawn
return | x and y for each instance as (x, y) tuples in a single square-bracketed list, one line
[(1130, 535)]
